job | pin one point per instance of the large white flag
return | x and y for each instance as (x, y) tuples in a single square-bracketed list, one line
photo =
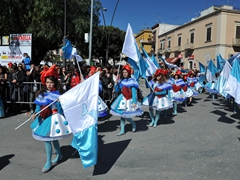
[(129, 45), (80, 106)]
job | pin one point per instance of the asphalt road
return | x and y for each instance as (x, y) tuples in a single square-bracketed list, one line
[(201, 142)]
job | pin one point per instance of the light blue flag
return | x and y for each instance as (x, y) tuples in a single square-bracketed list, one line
[(233, 84), (152, 67), (222, 80), (155, 61), (80, 106), (202, 68), (142, 64), (220, 62), (135, 67), (231, 59), (67, 49), (211, 71), (169, 65)]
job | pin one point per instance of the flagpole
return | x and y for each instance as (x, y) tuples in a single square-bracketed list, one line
[(119, 65), (36, 114)]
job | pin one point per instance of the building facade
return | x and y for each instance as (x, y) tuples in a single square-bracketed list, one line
[(216, 31), (144, 38)]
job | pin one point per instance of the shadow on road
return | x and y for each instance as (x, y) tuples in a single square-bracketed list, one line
[(108, 155), (4, 160), (223, 117)]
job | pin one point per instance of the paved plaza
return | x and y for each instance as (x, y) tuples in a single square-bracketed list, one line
[(201, 142)]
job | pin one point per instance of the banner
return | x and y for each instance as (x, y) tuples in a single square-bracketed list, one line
[(13, 52)]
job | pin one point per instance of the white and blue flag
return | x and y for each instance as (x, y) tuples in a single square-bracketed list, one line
[(223, 78), (130, 49), (152, 67), (220, 62), (233, 84), (211, 71), (80, 106)]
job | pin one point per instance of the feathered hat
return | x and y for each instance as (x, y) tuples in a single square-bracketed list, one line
[(179, 72), (52, 71), (159, 71), (128, 68)]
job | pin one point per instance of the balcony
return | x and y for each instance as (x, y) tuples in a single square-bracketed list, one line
[(177, 48), (167, 50), (189, 46), (236, 42), (161, 51)]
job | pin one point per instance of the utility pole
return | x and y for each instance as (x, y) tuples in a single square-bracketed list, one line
[(90, 36)]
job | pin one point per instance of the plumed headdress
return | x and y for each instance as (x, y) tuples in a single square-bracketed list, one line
[(128, 68), (52, 71)]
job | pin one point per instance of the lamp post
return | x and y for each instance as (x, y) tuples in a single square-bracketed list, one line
[(90, 36), (108, 34), (64, 35)]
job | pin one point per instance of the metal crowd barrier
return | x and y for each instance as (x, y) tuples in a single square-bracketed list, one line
[(26, 93)]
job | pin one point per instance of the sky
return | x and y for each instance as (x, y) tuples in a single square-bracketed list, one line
[(142, 14)]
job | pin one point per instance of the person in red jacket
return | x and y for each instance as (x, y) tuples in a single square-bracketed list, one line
[(76, 78)]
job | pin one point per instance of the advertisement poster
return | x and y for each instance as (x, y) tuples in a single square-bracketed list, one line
[(18, 44), (5, 40)]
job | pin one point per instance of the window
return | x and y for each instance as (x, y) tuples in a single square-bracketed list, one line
[(209, 32), (191, 36), (179, 40), (169, 42), (237, 32), (162, 42)]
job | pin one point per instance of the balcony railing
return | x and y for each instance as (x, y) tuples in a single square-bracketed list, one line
[(236, 42), (177, 48), (160, 51), (167, 50), (189, 46)]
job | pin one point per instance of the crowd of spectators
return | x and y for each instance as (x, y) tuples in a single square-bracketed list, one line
[(18, 83)]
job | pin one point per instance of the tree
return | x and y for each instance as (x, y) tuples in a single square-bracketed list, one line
[(45, 20)]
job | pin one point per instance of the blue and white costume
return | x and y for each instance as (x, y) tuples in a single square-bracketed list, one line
[(123, 105), (210, 87), (192, 86), (54, 126), (159, 100), (178, 94), (102, 107)]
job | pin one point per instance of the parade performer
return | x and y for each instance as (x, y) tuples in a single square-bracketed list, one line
[(102, 107), (51, 125), (126, 104), (191, 81), (177, 93), (158, 99), (210, 86)]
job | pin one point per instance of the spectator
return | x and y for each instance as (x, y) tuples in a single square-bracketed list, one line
[(3, 79), (26, 60), (75, 79), (16, 79)]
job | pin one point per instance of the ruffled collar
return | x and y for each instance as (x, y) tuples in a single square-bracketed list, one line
[(49, 97), (130, 82)]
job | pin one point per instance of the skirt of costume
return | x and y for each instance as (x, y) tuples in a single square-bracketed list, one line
[(52, 128), (199, 85), (179, 96), (2, 112), (156, 103), (210, 88), (102, 108), (194, 91), (124, 108)]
